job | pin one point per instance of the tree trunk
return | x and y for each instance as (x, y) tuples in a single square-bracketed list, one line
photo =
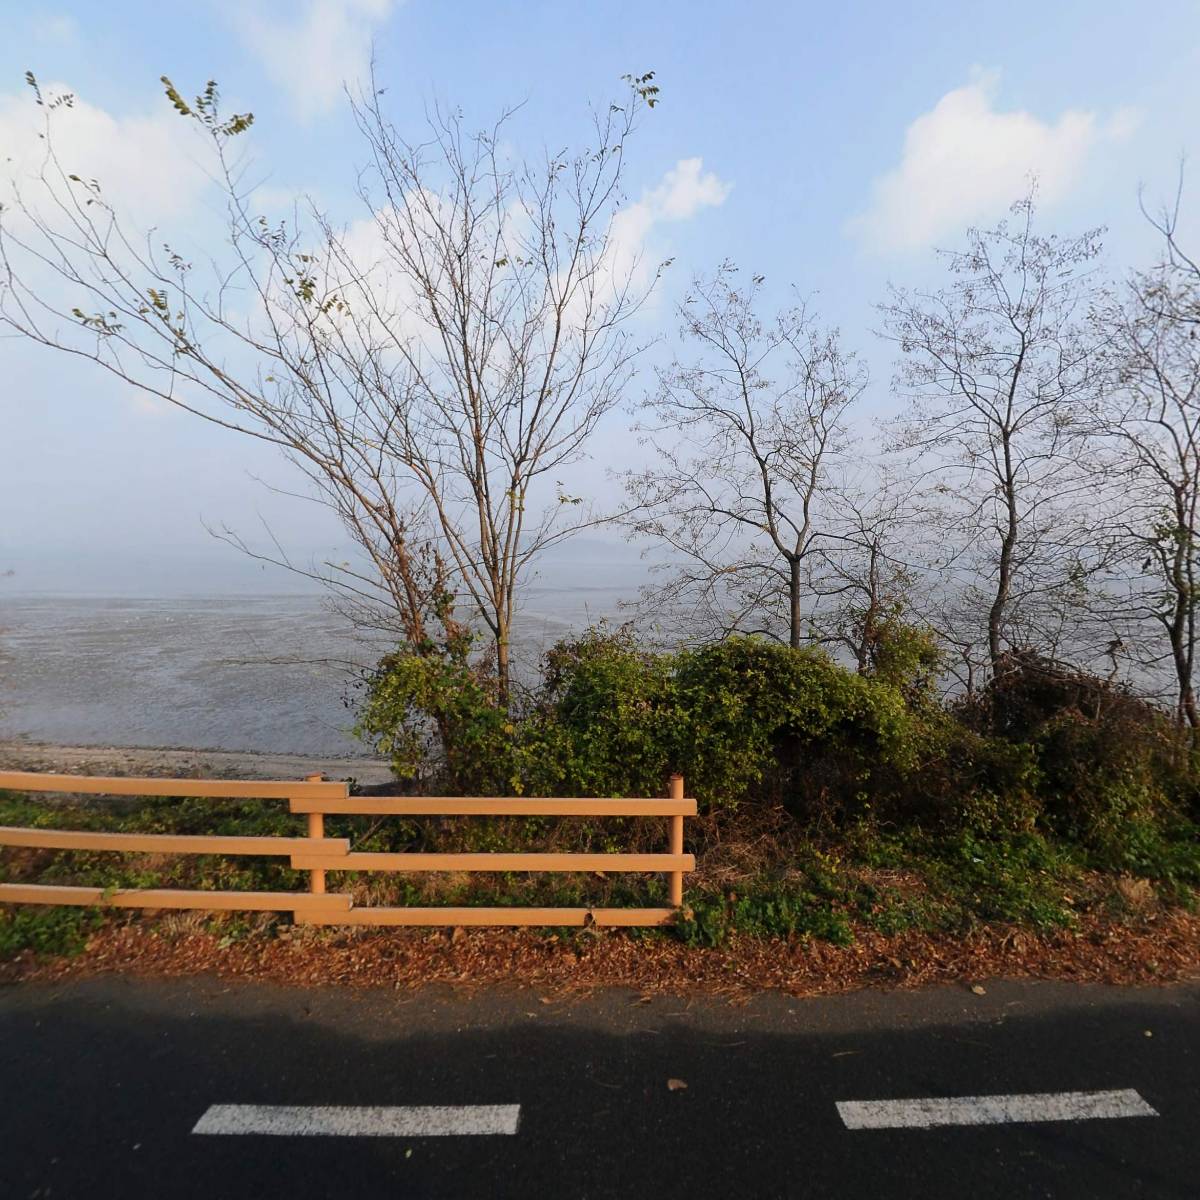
[(996, 619), (502, 668), (1183, 675), (794, 603), (1181, 628), (1008, 544)]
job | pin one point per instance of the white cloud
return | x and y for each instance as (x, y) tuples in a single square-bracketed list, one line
[(685, 189), (314, 54), (365, 263), (965, 162), (145, 163)]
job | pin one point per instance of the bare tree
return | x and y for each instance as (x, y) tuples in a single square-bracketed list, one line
[(874, 566), (997, 367), (430, 369), (749, 437), (1148, 422), (1179, 264)]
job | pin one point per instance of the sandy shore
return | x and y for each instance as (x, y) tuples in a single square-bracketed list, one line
[(214, 764)]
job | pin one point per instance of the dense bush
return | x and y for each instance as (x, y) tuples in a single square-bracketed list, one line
[(605, 721), (1043, 752), (789, 726), (438, 720), (965, 780), (898, 652), (1108, 763), (739, 718)]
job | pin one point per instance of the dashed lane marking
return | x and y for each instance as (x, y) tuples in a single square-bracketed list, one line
[(467, 1120), (992, 1110)]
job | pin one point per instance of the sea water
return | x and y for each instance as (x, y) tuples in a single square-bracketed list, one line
[(273, 673)]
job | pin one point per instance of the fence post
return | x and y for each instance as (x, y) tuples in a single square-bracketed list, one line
[(316, 829), (677, 842)]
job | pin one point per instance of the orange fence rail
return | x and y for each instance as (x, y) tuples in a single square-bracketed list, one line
[(317, 854)]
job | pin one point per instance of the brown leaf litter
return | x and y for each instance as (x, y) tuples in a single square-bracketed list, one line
[(1163, 947)]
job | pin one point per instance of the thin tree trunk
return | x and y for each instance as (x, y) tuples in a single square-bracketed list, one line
[(502, 668), (1182, 626), (1004, 576), (1183, 670), (794, 603)]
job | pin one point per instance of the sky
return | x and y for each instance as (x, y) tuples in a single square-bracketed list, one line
[(831, 148)]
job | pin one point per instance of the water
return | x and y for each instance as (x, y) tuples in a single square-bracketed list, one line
[(236, 672)]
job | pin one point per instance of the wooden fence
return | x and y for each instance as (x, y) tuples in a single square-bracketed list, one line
[(318, 854)]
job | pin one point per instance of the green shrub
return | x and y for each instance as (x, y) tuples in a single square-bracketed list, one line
[(999, 802), (605, 721), (968, 781), (740, 717), (437, 718), (1167, 852), (1103, 775), (896, 651), (1108, 762), (768, 910), (785, 725), (45, 931), (1021, 879)]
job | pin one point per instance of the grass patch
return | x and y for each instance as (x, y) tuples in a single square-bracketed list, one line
[(764, 911), (48, 932)]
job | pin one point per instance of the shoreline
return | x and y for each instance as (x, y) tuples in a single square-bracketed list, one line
[(18, 755)]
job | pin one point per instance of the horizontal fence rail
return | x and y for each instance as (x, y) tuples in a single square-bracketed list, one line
[(495, 806), (166, 843), (213, 789), (152, 898), (494, 861), (316, 798)]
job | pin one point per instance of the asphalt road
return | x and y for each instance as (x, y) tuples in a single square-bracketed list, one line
[(102, 1083)]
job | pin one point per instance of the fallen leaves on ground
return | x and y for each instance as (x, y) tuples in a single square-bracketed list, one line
[(1162, 948)]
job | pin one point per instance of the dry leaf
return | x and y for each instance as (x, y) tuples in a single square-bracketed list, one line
[(978, 990), (1102, 949), (676, 1085)]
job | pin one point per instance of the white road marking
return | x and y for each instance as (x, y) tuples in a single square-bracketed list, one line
[(992, 1110), (344, 1121)]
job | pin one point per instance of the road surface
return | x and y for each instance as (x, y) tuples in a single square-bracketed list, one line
[(176, 1089)]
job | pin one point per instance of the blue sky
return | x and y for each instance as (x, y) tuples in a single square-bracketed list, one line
[(838, 145)]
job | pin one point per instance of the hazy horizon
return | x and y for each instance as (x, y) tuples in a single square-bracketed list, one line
[(218, 569)]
